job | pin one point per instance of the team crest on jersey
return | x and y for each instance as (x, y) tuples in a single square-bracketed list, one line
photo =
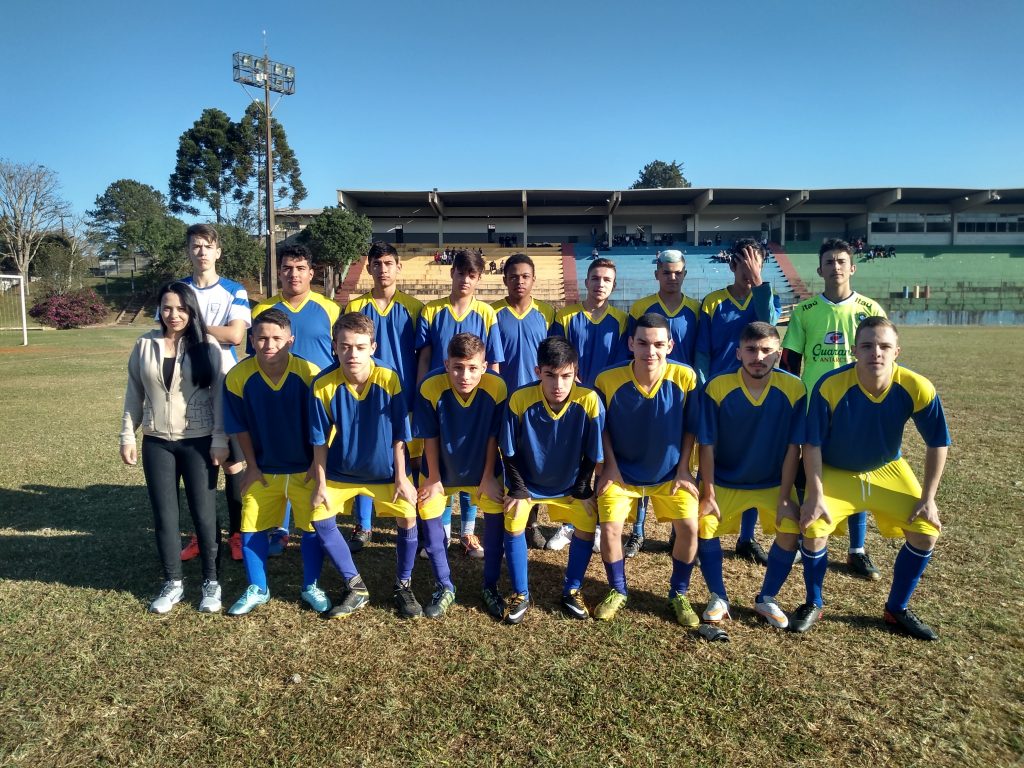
[(835, 338), (861, 316)]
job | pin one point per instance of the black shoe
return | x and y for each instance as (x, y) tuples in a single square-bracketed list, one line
[(860, 565), (535, 538), (517, 607), (405, 601), (495, 603), (908, 623), (356, 596), (574, 606), (359, 538), (440, 601), (805, 617), (752, 551), (634, 545)]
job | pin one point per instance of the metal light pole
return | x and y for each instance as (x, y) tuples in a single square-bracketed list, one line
[(279, 78)]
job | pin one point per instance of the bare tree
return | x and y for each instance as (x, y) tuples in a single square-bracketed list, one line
[(30, 208)]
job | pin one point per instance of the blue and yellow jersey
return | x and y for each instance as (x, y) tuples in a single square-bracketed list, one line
[(276, 416), (520, 337), (395, 331), (722, 319), (463, 427), (859, 432), (548, 446), (751, 435), (312, 322), (682, 324), (598, 344), (646, 428), (365, 425), (438, 323)]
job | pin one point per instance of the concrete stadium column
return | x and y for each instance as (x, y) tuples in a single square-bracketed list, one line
[(953, 228), (524, 230), (611, 238), (440, 231), (782, 228), (696, 229)]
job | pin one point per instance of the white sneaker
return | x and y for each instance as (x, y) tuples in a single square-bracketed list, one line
[(597, 540), (170, 595), (717, 610), (771, 612), (211, 597), (560, 540)]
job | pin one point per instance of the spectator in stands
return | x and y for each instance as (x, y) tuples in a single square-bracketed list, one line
[(492, 267)]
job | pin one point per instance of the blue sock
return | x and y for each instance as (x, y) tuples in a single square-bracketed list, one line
[(780, 563), (641, 516), (710, 553), (616, 573), (434, 541), (579, 558), (312, 558), (467, 512), (335, 547), (405, 553), (255, 547), (362, 511), (446, 516), (680, 579), (494, 538), (286, 524), (906, 572), (515, 556), (747, 524), (858, 525), (815, 565)]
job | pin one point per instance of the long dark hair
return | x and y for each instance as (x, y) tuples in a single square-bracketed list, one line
[(196, 348)]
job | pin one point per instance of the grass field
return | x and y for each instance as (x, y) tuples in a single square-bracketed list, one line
[(89, 678)]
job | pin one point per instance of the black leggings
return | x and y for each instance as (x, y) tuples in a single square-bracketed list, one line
[(165, 462)]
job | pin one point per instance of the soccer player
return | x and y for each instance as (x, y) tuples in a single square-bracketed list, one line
[(550, 444), (723, 315), (853, 461), (751, 429), (312, 316), (441, 319), (651, 421), (598, 333), (458, 414), (681, 311), (524, 323), (395, 315), (359, 425), (224, 305), (819, 339), (266, 408)]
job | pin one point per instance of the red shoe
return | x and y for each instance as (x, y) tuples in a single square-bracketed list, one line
[(191, 550), (235, 545)]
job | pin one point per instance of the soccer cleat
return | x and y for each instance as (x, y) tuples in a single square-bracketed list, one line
[(685, 615), (170, 595), (517, 606), (535, 537), (471, 546), (359, 538), (356, 596), (860, 565), (191, 550), (560, 540), (278, 543), (495, 603), (805, 617), (210, 601), (440, 602), (405, 601), (316, 598), (752, 551), (634, 545), (235, 546), (772, 613), (717, 610), (597, 540), (908, 623), (607, 608), (252, 597), (574, 606)]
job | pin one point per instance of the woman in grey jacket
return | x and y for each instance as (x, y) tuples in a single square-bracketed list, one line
[(175, 386)]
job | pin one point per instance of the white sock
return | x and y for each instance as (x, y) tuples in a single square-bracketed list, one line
[(447, 530), (856, 550), (468, 528)]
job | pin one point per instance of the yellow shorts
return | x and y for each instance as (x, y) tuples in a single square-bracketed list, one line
[(263, 505), (563, 509), (415, 447), (618, 503), (733, 502), (340, 495), (889, 493), (434, 506)]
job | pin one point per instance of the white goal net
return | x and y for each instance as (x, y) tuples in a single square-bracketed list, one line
[(13, 318)]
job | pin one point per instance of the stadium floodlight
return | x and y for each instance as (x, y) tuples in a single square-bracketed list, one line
[(261, 72)]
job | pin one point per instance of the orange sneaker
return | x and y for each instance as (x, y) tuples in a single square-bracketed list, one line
[(191, 550), (471, 544)]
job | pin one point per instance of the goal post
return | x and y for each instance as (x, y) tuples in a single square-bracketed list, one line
[(13, 318)]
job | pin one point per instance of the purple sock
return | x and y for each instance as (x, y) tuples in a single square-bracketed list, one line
[(710, 552), (906, 572), (405, 553), (494, 549), (679, 582), (434, 542), (780, 563), (616, 573), (312, 558), (335, 547), (579, 558)]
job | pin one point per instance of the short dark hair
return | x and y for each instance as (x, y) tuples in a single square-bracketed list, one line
[(468, 261), (833, 244), (353, 322), (759, 330), (274, 316), (465, 345), (379, 249), (556, 352), (602, 262), (653, 320), (206, 231), (745, 242), (875, 321), (518, 258), (295, 251)]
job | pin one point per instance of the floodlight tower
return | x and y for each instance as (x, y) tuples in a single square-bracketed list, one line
[(269, 75)]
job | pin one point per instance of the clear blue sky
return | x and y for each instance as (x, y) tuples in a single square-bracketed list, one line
[(554, 94)]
